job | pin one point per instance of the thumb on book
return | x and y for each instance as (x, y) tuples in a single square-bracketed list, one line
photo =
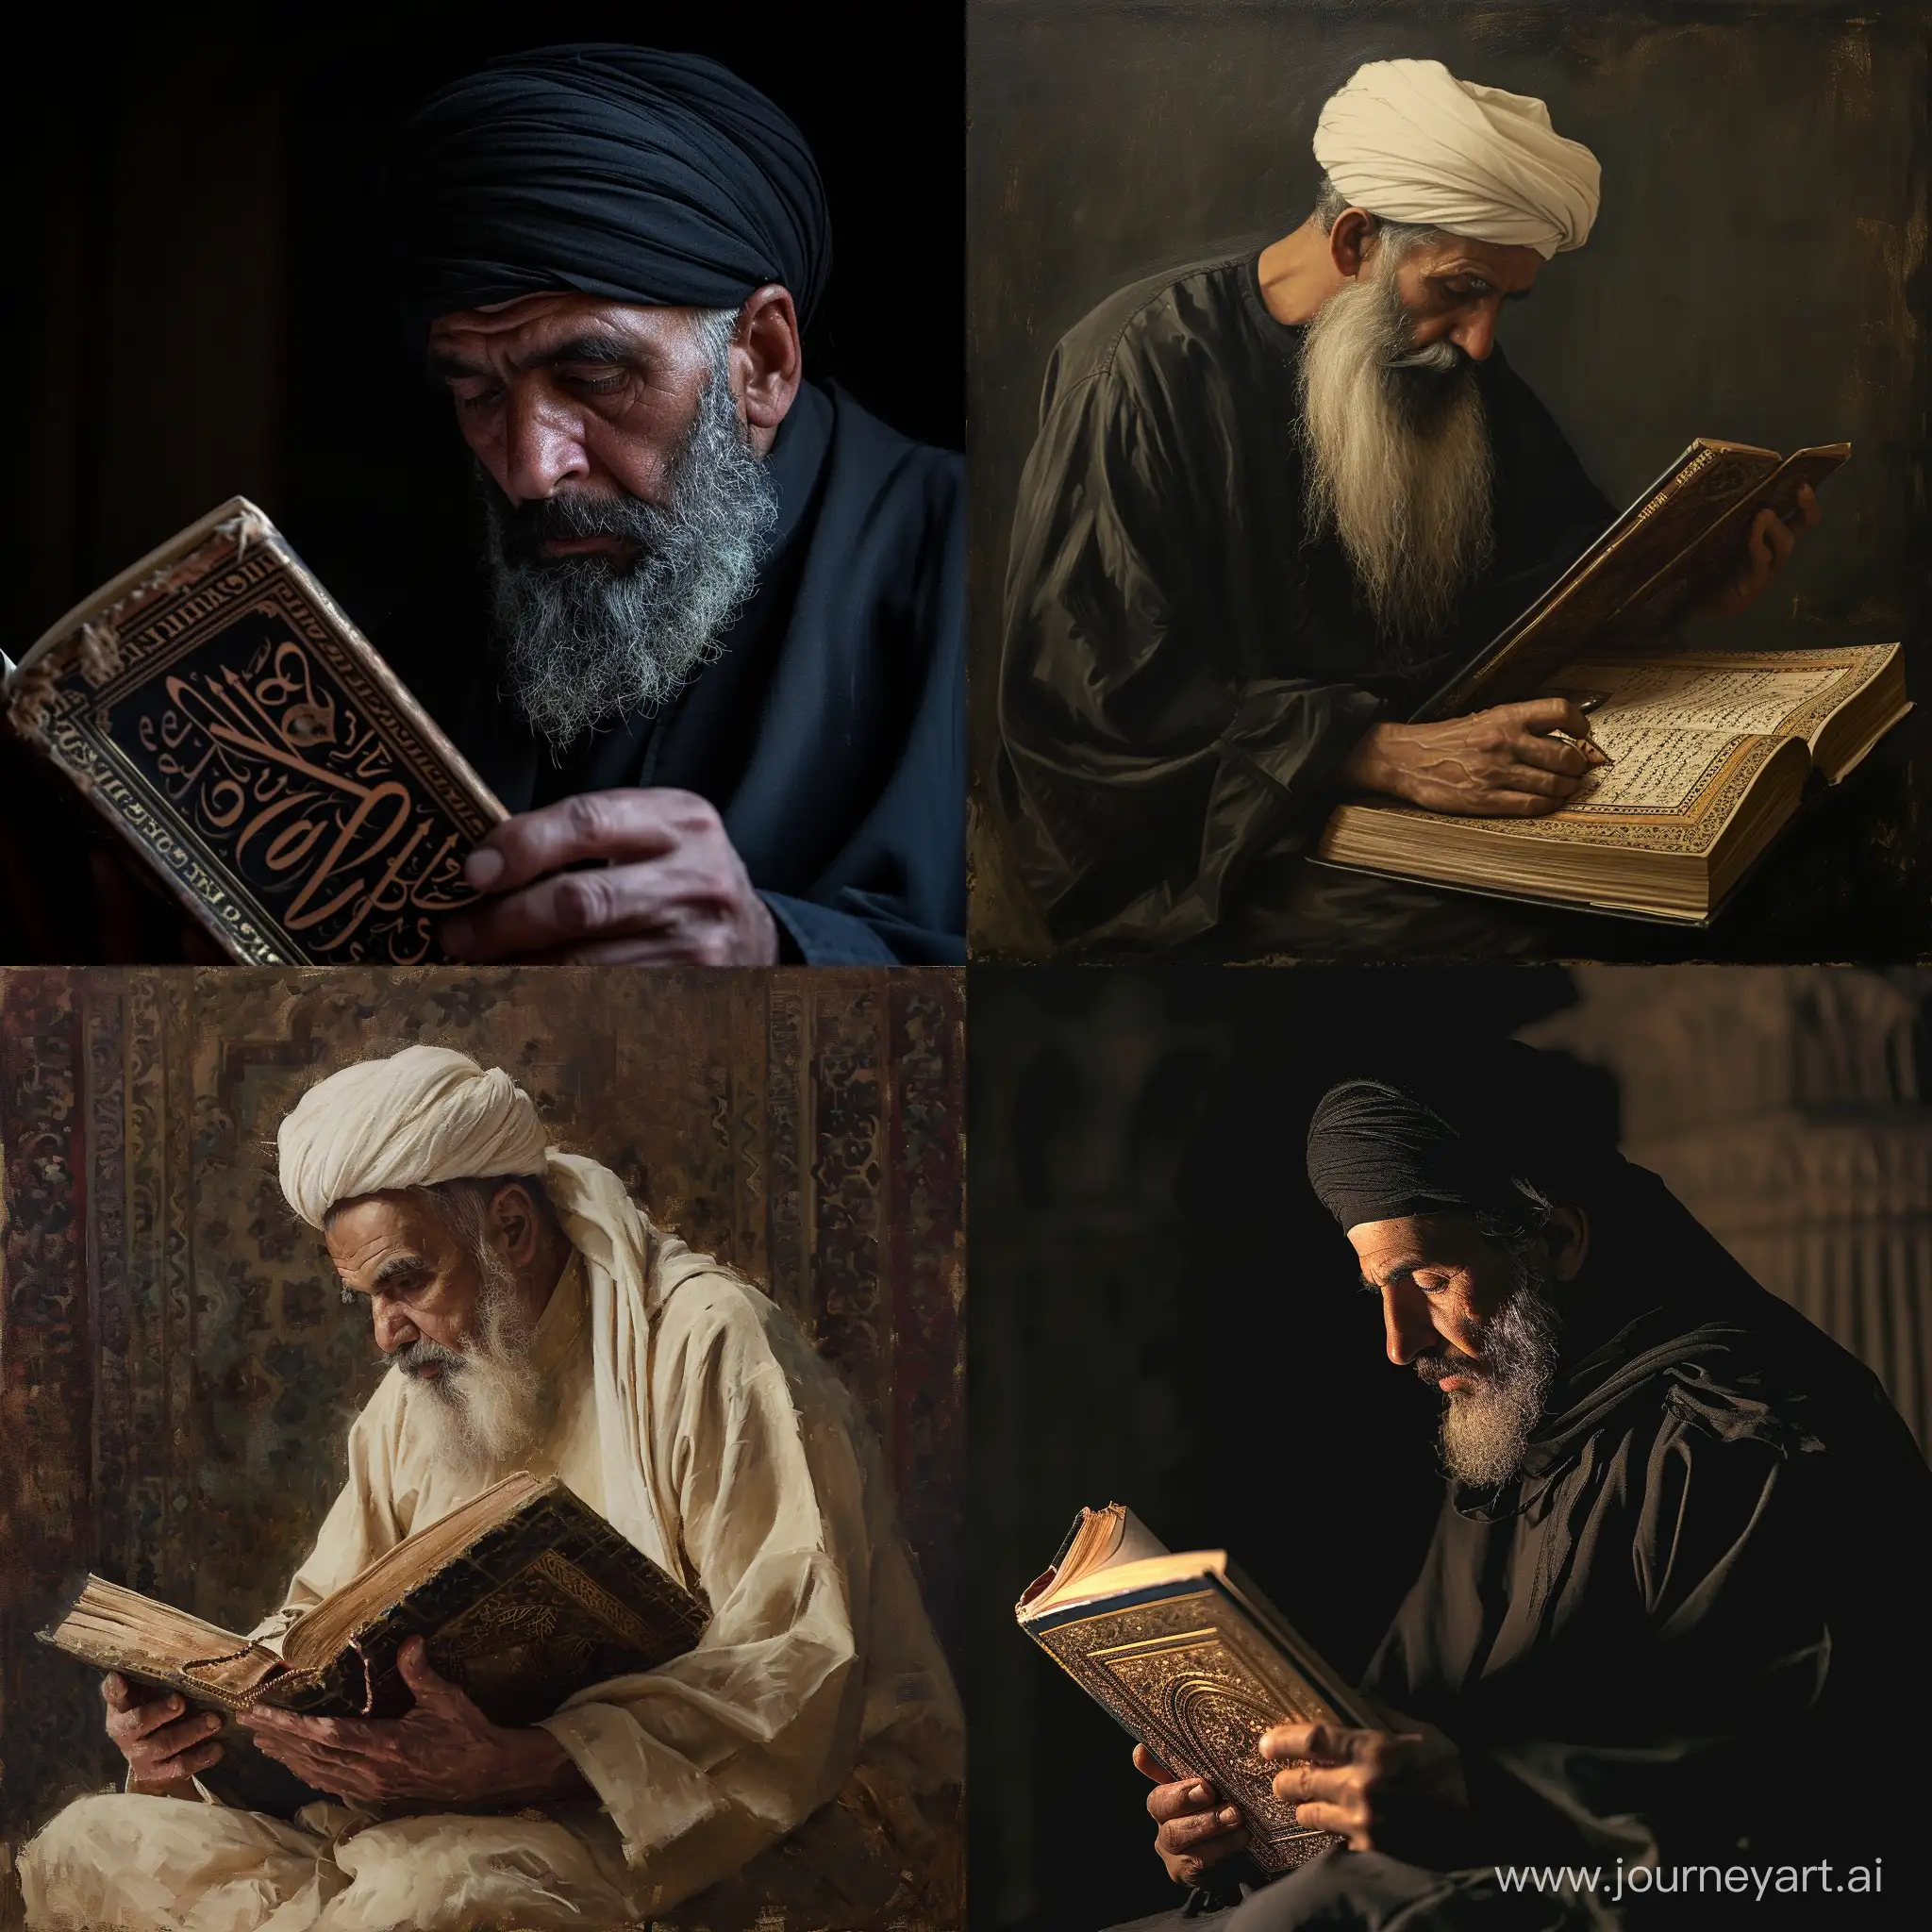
[(412, 1660)]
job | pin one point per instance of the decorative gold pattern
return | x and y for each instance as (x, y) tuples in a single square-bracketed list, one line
[(1189, 1678)]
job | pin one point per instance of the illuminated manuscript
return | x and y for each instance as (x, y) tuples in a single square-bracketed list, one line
[(225, 717)]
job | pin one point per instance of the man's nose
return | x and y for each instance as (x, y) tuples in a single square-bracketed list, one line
[(393, 1328), (1405, 1326), (543, 446), (1476, 334)]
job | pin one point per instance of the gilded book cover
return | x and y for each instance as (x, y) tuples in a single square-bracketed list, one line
[(1197, 1664), (1667, 550), (522, 1613), (222, 713)]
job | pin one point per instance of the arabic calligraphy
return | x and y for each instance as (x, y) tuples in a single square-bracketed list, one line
[(271, 760)]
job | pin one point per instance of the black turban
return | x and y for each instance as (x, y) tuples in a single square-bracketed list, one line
[(1477, 1134), (638, 176)]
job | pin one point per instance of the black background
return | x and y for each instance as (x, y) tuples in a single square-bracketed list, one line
[(195, 299), (1161, 1313)]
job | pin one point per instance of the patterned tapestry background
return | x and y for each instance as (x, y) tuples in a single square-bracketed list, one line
[(177, 1373)]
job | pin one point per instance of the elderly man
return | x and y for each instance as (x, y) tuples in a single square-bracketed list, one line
[(1277, 496), (723, 661), (1668, 1609), (803, 1763)]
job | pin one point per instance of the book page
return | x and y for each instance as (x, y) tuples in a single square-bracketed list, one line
[(1669, 728)]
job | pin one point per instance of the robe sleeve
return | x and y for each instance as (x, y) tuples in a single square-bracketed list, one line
[(1734, 1656), (1143, 765), (704, 1762)]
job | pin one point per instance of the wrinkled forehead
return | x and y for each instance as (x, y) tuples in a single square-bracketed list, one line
[(1410, 1241), (367, 1231), (532, 326), (1505, 266)]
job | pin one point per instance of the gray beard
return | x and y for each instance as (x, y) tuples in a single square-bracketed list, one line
[(588, 639), (488, 1406), (1398, 457), (1485, 1428)]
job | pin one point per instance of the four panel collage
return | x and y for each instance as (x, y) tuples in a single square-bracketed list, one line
[(967, 966)]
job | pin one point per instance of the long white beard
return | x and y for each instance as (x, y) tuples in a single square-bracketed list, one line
[(1398, 456), (488, 1406), (1487, 1426)]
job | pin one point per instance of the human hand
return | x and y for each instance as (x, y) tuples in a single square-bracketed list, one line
[(1195, 1828), (443, 1752), (164, 1741), (1382, 1790), (1767, 550), (671, 890), (1499, 763)]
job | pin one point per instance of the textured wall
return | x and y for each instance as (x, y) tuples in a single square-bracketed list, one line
[(177, 1373), (1757, 272)]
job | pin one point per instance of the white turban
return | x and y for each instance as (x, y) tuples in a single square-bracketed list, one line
[(422, 1116), (1409, 141)]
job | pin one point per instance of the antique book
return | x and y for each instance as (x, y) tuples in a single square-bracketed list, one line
[(524, 1595), (223, 714), (1191, 1660), (1710, 754), (1668, 551)]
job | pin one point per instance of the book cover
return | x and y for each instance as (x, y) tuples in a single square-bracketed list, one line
[(537, 1607), (1644, 571), (1197, 1668), (220, 710)]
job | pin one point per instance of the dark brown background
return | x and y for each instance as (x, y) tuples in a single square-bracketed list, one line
[(1163, 1315), (1757, 271), (177, 1373)]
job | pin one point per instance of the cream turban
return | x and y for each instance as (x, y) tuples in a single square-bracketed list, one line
[(425, 1115), (1406, 139)]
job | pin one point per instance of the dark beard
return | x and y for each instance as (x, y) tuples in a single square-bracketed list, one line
[(590, 639)]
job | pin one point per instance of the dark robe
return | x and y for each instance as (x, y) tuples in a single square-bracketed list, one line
[(1184, 669), (1690, 1630), (828, 733)]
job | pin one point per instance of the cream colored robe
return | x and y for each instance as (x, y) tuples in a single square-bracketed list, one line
[(739, 1465)]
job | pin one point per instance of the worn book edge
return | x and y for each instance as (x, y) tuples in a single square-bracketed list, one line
[(89, 629)]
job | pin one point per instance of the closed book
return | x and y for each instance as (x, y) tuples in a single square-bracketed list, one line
[(523, 1594), (218, 708), (1192, 1661)]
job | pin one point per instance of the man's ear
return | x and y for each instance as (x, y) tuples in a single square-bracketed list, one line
[(767, 362), (1567, 1232), (513, 1216), (1348, 240)]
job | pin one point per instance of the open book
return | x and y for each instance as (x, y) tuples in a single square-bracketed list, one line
[(1191, 1660), (524, 1593), (1709, 750), (221, 713), (1675, 545)]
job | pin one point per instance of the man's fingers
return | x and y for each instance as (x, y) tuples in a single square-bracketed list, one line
[(1325, 1743), (1150, 1766), (593, 825), (1307, 1782), (419, 1674), (118, 1692), (1196, 1833), (559, 911), (1543, 714), (1808, 512), (1550, 755), (1179, 1800)]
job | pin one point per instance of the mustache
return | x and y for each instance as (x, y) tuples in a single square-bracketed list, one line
[(524, 527), (1435, 1364), (414, 1356)]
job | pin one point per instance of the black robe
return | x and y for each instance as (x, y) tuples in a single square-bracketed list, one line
[(1183, 671), (1690, 1631), (829, 734)]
